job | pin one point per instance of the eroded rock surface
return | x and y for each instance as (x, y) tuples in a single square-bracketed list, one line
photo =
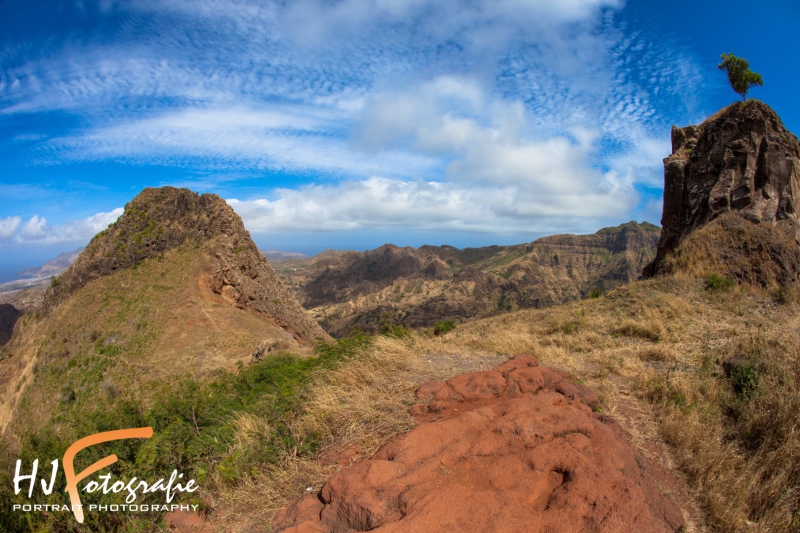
[(514, 449), (741, 160)]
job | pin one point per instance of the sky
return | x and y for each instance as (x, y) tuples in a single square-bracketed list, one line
[(347, 124)]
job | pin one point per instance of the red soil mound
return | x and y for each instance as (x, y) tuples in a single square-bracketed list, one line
[(511, 450)]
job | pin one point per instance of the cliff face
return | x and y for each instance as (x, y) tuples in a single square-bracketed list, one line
[(8, 318), (743, 159)]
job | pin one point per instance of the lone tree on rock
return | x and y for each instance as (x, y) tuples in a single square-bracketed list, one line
[(740, 76)]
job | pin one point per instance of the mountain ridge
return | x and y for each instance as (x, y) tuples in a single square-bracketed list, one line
[(421, 286)]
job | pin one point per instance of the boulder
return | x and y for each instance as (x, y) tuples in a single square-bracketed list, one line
[(515, 449)]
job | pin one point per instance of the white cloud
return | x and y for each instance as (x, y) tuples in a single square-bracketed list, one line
[(491, 142), (286, 138), (34, 229), (499, 112), (382, 203), (37, 230), (8, 227)]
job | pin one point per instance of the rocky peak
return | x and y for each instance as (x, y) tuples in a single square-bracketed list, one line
[(159, 220), (741, 159)]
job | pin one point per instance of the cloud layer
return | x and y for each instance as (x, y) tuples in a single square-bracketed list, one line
[(479, 116)]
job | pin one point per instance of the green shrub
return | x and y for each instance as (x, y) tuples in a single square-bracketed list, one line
[(442, 328), (716, 282), (744, 379), (596, 293), (390, 329)]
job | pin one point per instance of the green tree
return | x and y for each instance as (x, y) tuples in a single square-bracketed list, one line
[(740, 76)]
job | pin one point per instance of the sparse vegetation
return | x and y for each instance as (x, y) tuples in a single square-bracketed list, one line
[(218, 432), (253, 434), (390, 329), (444, 327), (715, 282)]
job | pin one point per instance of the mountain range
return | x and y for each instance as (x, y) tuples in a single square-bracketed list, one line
[(418, 287)]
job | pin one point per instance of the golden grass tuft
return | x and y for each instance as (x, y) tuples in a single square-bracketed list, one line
[(366, 401), (656, 353)]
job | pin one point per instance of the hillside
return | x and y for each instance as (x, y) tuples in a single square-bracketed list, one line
[(176, 286), (419, 287)]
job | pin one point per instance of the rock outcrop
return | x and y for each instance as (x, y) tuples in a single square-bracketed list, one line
[(742, 159), (8, 319), (514, 449), (158, 220)]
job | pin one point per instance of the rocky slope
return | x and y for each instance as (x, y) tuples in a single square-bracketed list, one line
[(174, 287), (730, 246), (419, 287), (743, 160), (514, 449), (158, 220)]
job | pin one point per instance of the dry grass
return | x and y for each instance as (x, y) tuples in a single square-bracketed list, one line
[(664, 339), (661, 339), (655, 346), (734, 248), (360, 405), (367, 400)]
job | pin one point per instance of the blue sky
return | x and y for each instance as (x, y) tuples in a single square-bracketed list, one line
[(351, 123)]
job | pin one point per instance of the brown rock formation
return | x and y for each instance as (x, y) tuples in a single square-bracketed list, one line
[(162, 219), (421, 286), (742, 159), (514, 449), (8, 319)]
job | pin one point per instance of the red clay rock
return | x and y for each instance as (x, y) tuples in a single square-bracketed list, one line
[(514, 454), (525, 380), (341, 457), (518, 361), (435, 390), (478, 385)]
